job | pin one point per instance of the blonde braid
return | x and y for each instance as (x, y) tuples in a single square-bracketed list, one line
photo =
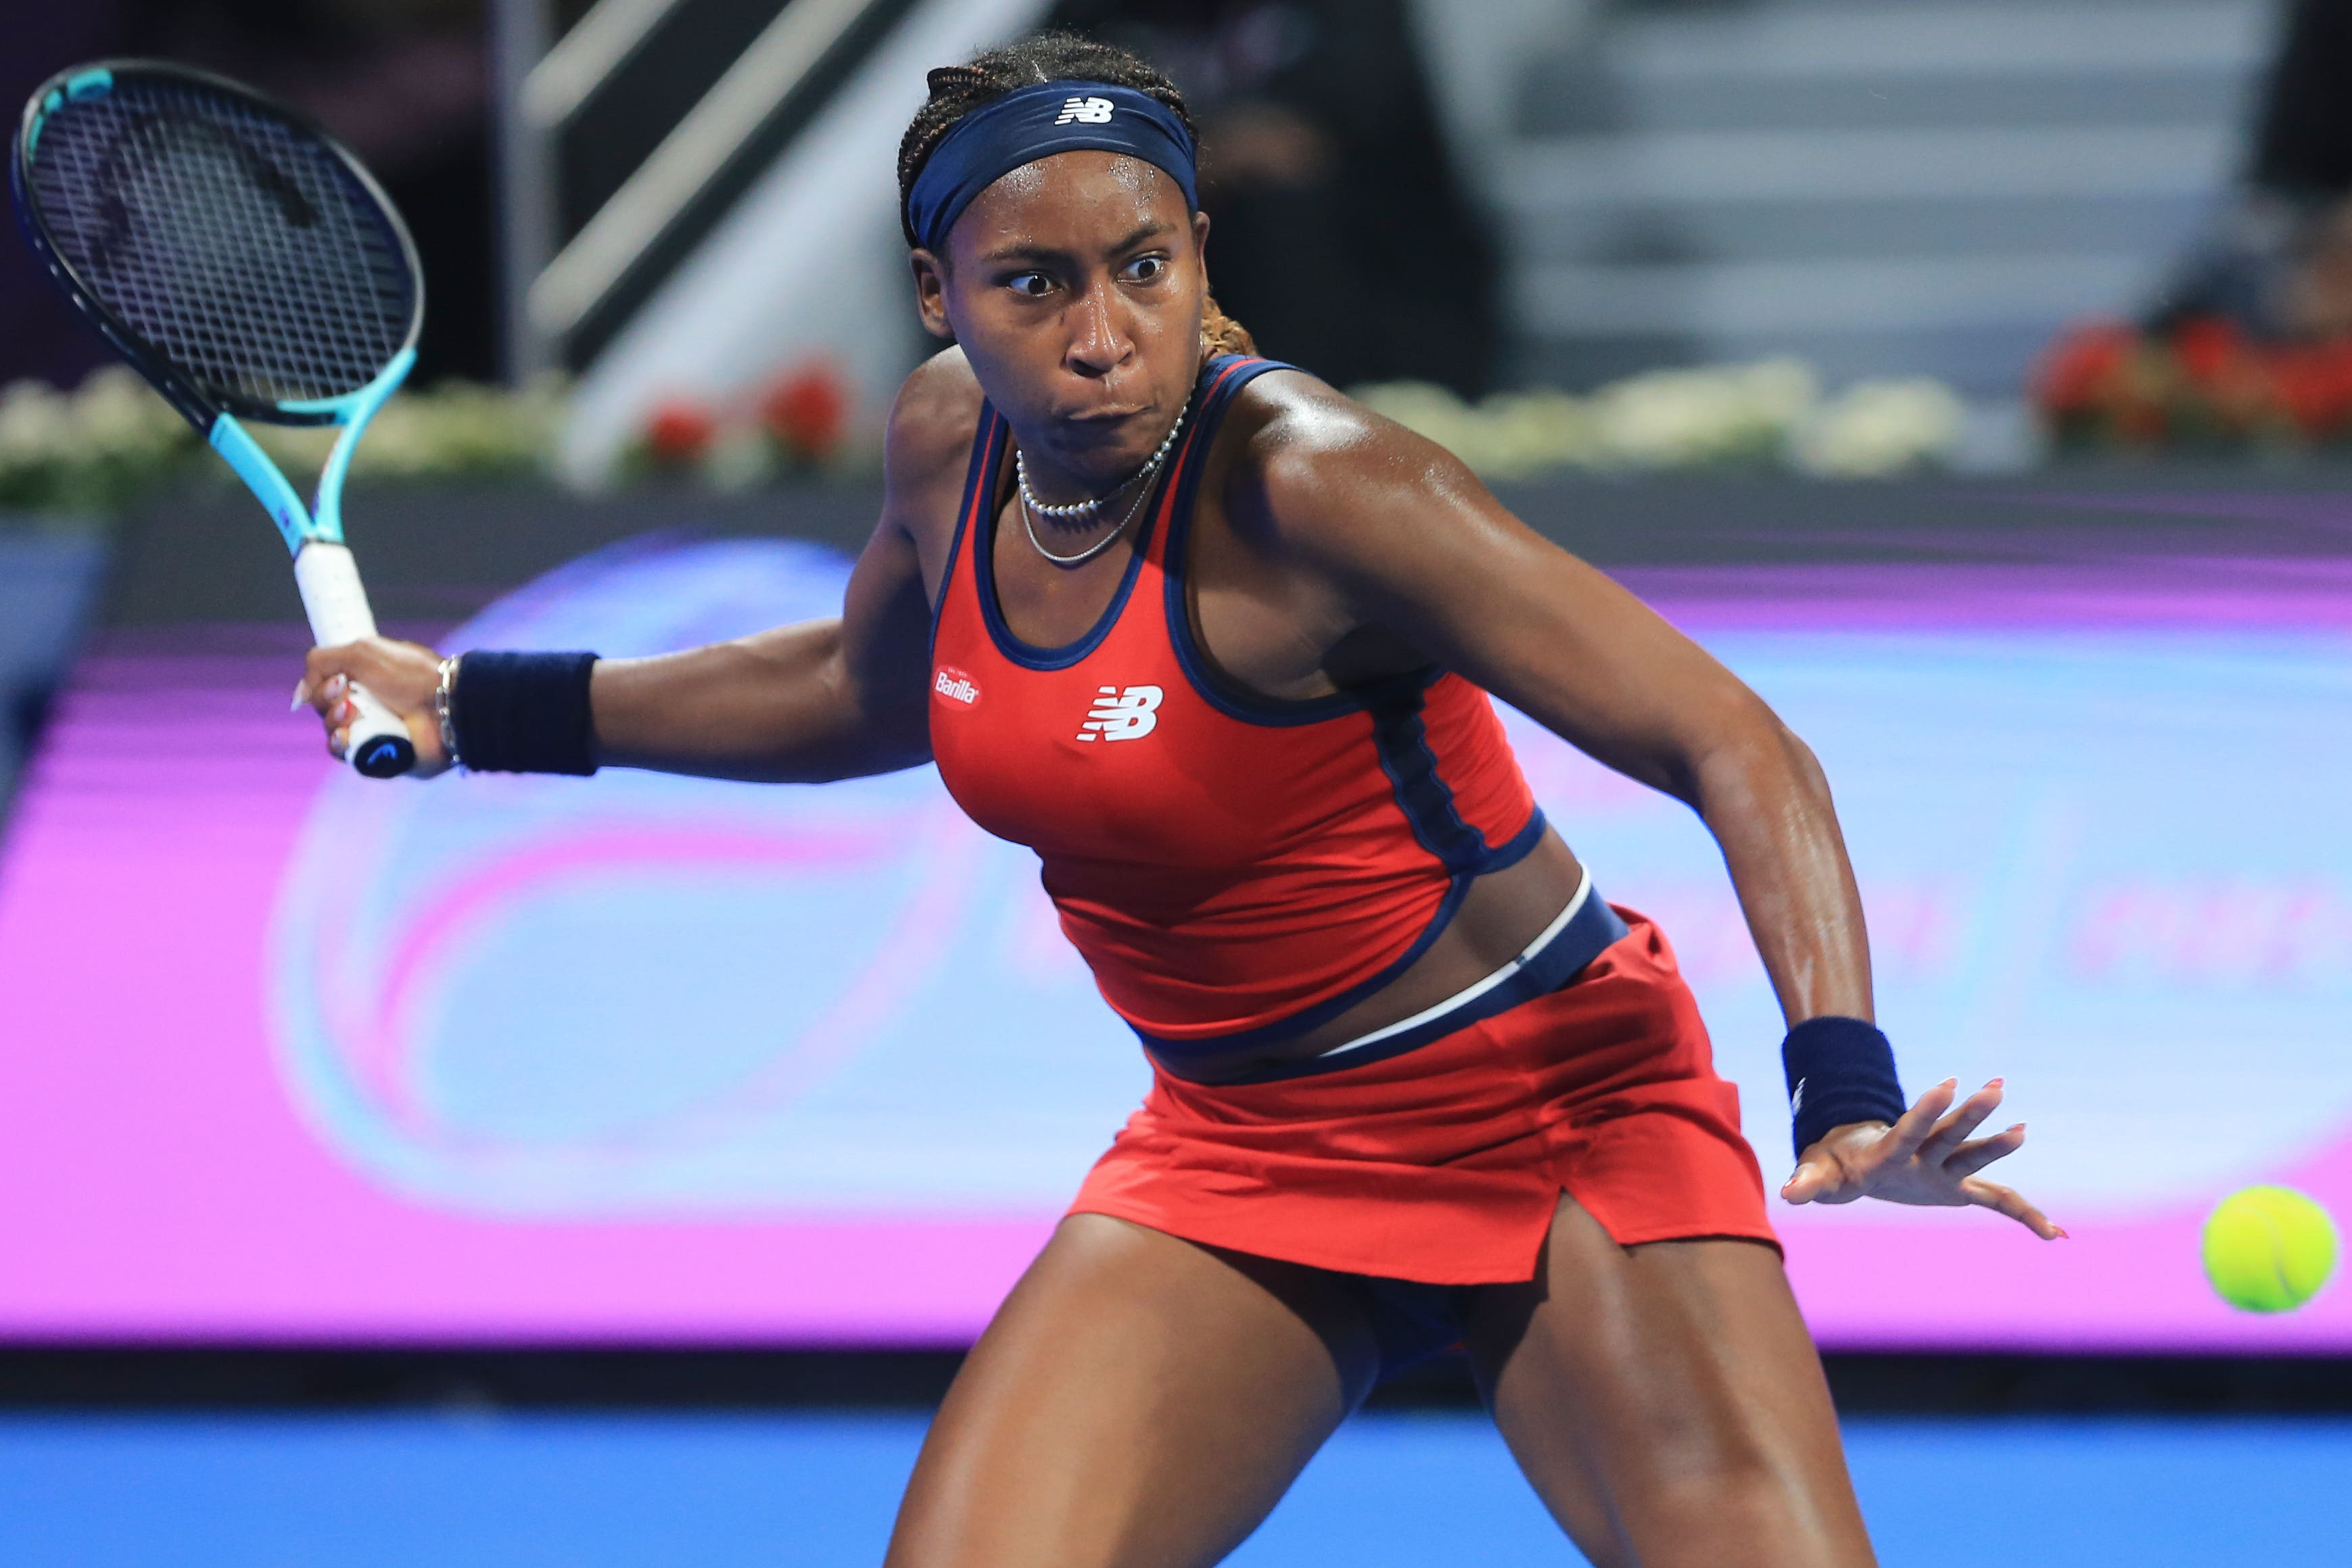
[(1219, 333)]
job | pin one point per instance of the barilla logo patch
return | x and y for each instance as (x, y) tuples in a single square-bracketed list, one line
[(1128, 715), (1086, 111), (955, 685)]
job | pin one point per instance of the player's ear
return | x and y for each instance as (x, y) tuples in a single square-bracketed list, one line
[(931, 293)]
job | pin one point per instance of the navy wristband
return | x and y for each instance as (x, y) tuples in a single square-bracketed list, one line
[(524, 713), (1839, 1070)]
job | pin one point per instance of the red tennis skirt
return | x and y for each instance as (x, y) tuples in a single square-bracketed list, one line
[(1445, 1165)]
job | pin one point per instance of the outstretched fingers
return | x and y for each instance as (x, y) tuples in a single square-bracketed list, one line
[(1972, 1158), (2010, 1201), (1953, 1130), (1915, 1126)]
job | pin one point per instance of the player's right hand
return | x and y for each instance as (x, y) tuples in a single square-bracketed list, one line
[(401, 675)]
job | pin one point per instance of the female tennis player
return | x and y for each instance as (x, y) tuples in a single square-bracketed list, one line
[(1216, 642)]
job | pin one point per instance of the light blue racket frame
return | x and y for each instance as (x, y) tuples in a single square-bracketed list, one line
[(377, 742), (322, 520)]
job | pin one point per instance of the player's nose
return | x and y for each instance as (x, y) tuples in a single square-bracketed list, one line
[(1096, 345)]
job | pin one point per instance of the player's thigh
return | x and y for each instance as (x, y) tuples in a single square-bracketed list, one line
[(1139, 1400), (1667, 1403)]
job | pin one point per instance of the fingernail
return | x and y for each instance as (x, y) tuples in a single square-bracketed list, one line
[(296, 705), (1995, 1082)]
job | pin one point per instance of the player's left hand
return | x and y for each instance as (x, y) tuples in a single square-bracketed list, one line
[(1926, 1158)]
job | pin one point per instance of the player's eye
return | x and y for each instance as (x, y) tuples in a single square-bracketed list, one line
[(1145, 269), (1030, 285)]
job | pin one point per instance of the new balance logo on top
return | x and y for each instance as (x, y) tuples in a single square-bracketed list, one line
[(1128, 715), (1086, 111)]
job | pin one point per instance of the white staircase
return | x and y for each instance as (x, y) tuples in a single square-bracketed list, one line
[(1880, 186)]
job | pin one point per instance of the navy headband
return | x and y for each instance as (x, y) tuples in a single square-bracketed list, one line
[(1036, 122)]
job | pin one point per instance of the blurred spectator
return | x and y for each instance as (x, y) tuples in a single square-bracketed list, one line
[(404, 82), (1343, 236), (2279, 264), (2304, 141)]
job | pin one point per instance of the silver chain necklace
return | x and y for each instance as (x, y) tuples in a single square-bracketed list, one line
[(1030, 502), (1101, 544)]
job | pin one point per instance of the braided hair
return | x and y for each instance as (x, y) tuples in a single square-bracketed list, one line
[(957, 90)]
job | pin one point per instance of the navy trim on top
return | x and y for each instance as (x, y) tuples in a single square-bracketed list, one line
[(979, 464), (1250, 707), (1400, 743), (1291, 1026), (1590, 932), (1029, 655)]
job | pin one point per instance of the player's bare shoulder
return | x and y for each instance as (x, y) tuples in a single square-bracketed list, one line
[(1310, 464), (927, 445)]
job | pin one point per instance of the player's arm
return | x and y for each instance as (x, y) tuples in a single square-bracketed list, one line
[(824, 699), (1413, 546)]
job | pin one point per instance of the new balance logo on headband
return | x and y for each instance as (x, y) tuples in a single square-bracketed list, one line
[(1084, 111)]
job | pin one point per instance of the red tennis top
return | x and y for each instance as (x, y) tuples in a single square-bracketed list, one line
[(1233, 869)]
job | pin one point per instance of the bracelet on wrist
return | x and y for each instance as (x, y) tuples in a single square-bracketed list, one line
[(443, 697)]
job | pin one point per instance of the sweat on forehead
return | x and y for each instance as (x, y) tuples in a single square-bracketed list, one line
[(1012, 133)]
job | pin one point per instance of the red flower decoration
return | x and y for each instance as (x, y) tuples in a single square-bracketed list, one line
[(2315, 385), (2077, 373), (2212, 349), (2204, 382), (806, 411), (678, 432)]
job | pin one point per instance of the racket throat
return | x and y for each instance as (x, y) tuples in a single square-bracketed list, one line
[(241, 452)]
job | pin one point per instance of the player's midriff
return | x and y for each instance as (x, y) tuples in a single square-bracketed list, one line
[(1235, 870)]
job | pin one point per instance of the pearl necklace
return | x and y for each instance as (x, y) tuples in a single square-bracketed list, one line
[(1101, 544), (1080, 508)]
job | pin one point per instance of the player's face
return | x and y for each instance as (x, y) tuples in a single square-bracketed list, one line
[(1075, 286)]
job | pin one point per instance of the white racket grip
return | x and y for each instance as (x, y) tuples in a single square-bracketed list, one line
[(377, 743), (331, 595)]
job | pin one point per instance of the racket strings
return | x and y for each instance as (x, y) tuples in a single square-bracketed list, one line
[(235, 243)]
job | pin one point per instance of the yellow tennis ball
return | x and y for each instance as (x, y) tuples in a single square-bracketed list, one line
[(2268, 1249)]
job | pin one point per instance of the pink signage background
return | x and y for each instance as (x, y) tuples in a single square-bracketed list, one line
[(292, 1057)]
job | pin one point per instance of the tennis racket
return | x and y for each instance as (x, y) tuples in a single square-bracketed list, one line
[(245, 263)]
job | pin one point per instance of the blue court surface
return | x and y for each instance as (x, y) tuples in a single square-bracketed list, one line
[(815, 1492)]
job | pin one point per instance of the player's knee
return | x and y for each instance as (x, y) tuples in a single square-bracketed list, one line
[(1736, 1509)]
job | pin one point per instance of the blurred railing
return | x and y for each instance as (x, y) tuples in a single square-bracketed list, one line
[(627, 135)]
